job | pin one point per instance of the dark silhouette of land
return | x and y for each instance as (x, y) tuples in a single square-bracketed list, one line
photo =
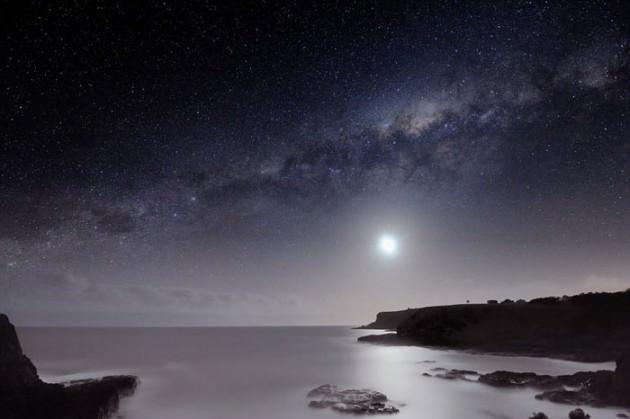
[(585, 327), (594, 388), (24, 396)]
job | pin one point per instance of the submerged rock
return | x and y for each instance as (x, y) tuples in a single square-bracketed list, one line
[(519, 379), (362, 401), (455, 374), (24, 396)]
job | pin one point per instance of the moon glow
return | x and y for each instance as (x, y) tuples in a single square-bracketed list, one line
[(388, 245)]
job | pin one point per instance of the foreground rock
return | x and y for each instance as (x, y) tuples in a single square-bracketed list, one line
[(350, 401), (594, 388), (574, 414), (578, 414), (24, 396), (466, 375), (586, 327)]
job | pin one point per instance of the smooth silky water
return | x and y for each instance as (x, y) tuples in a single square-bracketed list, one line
[(265, 372)]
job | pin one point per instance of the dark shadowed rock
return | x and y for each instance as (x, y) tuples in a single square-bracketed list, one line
[(594, 388), (538, 415), (622, 379), (542, 382), (24, 396), (16, 370), (455, 374), (578, 414), (362, 401)]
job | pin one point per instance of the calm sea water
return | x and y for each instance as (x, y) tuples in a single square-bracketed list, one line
[(245, 373)]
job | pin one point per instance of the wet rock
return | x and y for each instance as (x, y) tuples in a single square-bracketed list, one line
[(317, 404), (456, 374), (538, 415), (578, 397), (518, 379), (578, 414), (362, 401), (581, 388), (592, 388), (324, 390)]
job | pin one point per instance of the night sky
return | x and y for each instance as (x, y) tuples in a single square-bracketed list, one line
[(189, 163)]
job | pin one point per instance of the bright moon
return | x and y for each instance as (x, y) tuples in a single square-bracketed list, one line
[(388, 245)]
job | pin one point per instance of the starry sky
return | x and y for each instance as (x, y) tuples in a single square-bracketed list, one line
[(200, 163)]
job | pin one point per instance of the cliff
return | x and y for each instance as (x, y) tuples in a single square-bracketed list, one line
[(16, 370), (24, 396), (389, 319), (590, 327)]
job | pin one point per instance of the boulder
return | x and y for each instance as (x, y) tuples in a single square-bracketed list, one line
[(578, 414), (363, 401)]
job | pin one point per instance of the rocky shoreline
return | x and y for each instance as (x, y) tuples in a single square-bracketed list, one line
[(587, 327), (589, 388), (23, 395)]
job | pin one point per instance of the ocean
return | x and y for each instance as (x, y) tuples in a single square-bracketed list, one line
[(265, 372)]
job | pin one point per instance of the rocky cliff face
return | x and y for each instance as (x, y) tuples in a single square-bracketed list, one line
[(24, 396), (16, 370), (390, 319)]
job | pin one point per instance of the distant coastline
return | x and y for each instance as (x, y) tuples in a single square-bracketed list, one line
[(587, 327)]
